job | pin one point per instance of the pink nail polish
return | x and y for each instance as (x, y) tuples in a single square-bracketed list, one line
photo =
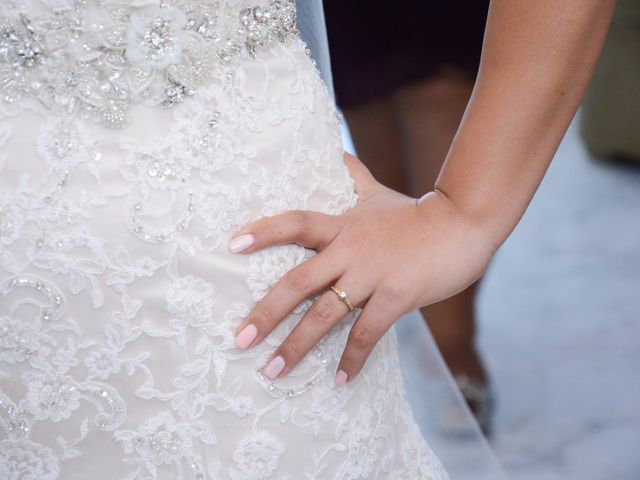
[(241, 243), (274, 367), (341, 378), (247, 335)]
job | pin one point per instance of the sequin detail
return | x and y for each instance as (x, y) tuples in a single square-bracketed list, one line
[(157, 55), (119, 297)]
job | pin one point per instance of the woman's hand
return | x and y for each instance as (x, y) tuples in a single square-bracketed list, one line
[(391, 254)]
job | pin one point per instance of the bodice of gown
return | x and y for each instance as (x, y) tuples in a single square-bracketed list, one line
[(100, 57)]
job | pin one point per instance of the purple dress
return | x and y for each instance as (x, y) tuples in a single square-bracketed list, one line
[(376, 48)]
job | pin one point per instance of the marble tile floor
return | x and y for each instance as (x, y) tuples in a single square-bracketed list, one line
[(559, 328)]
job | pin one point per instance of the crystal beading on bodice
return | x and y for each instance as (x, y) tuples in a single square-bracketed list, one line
[(98, 58), (119, 298)]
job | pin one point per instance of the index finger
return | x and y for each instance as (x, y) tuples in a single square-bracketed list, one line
[(307, 228)]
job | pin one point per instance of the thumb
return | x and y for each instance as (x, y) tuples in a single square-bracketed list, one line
[(366, 184)]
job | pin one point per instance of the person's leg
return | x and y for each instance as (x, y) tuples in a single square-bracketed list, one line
[(429, 113)]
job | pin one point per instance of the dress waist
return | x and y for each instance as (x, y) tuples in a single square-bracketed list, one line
[(99, 60)]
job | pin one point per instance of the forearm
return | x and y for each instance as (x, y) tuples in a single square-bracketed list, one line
[(537, 60)]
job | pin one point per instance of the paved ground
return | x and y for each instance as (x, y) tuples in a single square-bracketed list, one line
[(559, 317)]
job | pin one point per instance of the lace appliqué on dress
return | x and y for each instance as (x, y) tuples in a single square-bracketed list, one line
[(118, 297)]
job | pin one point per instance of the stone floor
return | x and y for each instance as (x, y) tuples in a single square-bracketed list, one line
[(559, 327)]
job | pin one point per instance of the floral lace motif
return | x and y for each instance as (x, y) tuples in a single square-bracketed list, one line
[(118, 296)]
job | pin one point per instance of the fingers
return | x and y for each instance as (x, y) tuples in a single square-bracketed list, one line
[(368, 329), (317, 231), (307, 228), (327, 311), (293, 288)]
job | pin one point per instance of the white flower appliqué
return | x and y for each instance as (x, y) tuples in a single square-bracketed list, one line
[(257, 456), (23, 459), (191, 300)]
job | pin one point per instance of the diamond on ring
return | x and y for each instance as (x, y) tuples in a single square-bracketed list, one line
[(342, 295)]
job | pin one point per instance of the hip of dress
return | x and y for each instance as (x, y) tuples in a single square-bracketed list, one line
[(116, 284)]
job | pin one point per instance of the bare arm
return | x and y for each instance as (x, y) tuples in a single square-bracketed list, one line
[(394, 253), (537, 60)]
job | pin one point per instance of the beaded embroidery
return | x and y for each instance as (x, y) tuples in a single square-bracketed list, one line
[(118, 296), (148, 54)]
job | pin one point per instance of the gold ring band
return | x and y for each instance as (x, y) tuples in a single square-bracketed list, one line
[(342, 295)]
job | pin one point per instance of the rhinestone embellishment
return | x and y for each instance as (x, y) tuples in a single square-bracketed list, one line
[(158, 40), (133, 222), (48, 313), (106, 420), (278, 391), (157, 55)]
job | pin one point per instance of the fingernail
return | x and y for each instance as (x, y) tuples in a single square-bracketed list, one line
[(274, 367), (341, 378), (246, 336), (241, 243)]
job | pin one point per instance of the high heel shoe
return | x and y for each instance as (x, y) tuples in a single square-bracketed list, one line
[(480, 399)]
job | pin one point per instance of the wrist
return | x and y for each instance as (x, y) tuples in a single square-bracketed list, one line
[(475, 224)]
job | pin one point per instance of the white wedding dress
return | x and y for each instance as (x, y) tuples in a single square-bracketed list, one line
[(135, 138)]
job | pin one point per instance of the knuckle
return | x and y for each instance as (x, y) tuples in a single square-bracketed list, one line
[(301, 220), (263, 315), (362, 337), (292, 350), (298, 279), (387, 296), (323, 309)]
